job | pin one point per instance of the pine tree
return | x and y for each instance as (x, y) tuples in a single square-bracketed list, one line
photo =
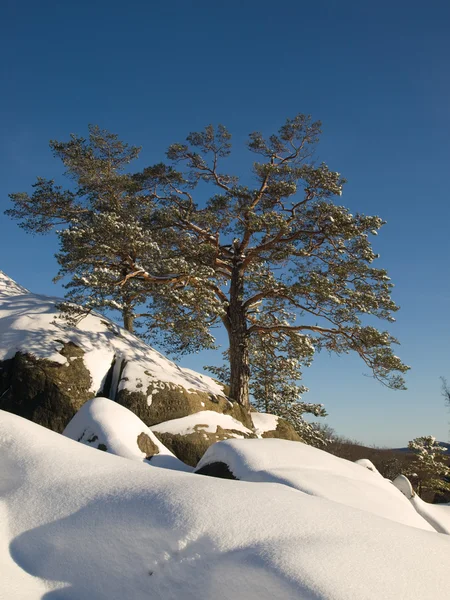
[(275, 372), (277, 259), (430, 465), (104, 220)]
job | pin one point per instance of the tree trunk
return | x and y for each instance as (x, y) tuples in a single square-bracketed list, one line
[(128, 319), (239, 342)]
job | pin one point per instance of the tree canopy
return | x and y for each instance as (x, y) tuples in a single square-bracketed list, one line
[(271, 256)]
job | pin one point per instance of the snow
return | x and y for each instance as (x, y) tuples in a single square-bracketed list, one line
[(205, 420), (264, 422), (437, 515), (368, 464), (316, 473), (9, 287), (102, 421), (83, 524), (31, 323)]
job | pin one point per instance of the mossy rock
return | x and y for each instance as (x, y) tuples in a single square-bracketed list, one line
[(169, 401), (43, 391), (147, 445), (284, 431), (191, 447)]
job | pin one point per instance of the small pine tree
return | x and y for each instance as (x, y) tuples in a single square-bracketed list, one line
[(430, 465), (104, 220), (275, 372)]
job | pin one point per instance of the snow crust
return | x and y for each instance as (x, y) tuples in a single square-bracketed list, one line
[(205, 420), (84, 524), (103, 422), (264, 422), (32, 323), (316, 473)]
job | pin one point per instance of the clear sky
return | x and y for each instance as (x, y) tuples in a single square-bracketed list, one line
[(375, 73)]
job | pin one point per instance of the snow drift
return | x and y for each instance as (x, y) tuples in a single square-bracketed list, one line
[(103, 424), (316, 473), (77, 523)]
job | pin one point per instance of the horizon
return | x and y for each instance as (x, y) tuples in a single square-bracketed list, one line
[(376, 76)]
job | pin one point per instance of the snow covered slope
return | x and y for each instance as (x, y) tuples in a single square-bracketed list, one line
[(316, 473), (78, 524), (104, 424), (31, 323)]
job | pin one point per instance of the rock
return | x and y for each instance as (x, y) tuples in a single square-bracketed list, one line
[(189, 437), (46, 392), (105, 425), (49, 367), (272, 426), (216, 469), (163, 401), (147, 445)]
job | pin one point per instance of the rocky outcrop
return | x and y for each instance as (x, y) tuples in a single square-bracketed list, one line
[(283, 431), (190, 437), (272, 426), (163, 401), (49, 368), (43, 391)]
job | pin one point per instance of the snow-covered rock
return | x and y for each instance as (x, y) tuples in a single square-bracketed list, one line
[(438, 515), (48, 369), (368, 464), (105, 425), (314, 472), (267, 425), (82, 524), (189, 437)]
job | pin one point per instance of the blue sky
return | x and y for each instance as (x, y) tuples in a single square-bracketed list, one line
[(376, 75)]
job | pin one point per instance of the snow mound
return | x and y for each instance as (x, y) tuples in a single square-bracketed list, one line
[(205, 420), (264, 422), (31, 323), (368, 464), (316, 473), (82, 524), (437, 515), (104, 424)]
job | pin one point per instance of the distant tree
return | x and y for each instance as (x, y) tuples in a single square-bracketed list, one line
[(280, 259), (430, 464), (445, 391)]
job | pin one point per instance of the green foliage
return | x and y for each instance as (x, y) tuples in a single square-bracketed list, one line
[(430, 465), (105, 223), (306, 263), (275, 371), (278, 262)]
